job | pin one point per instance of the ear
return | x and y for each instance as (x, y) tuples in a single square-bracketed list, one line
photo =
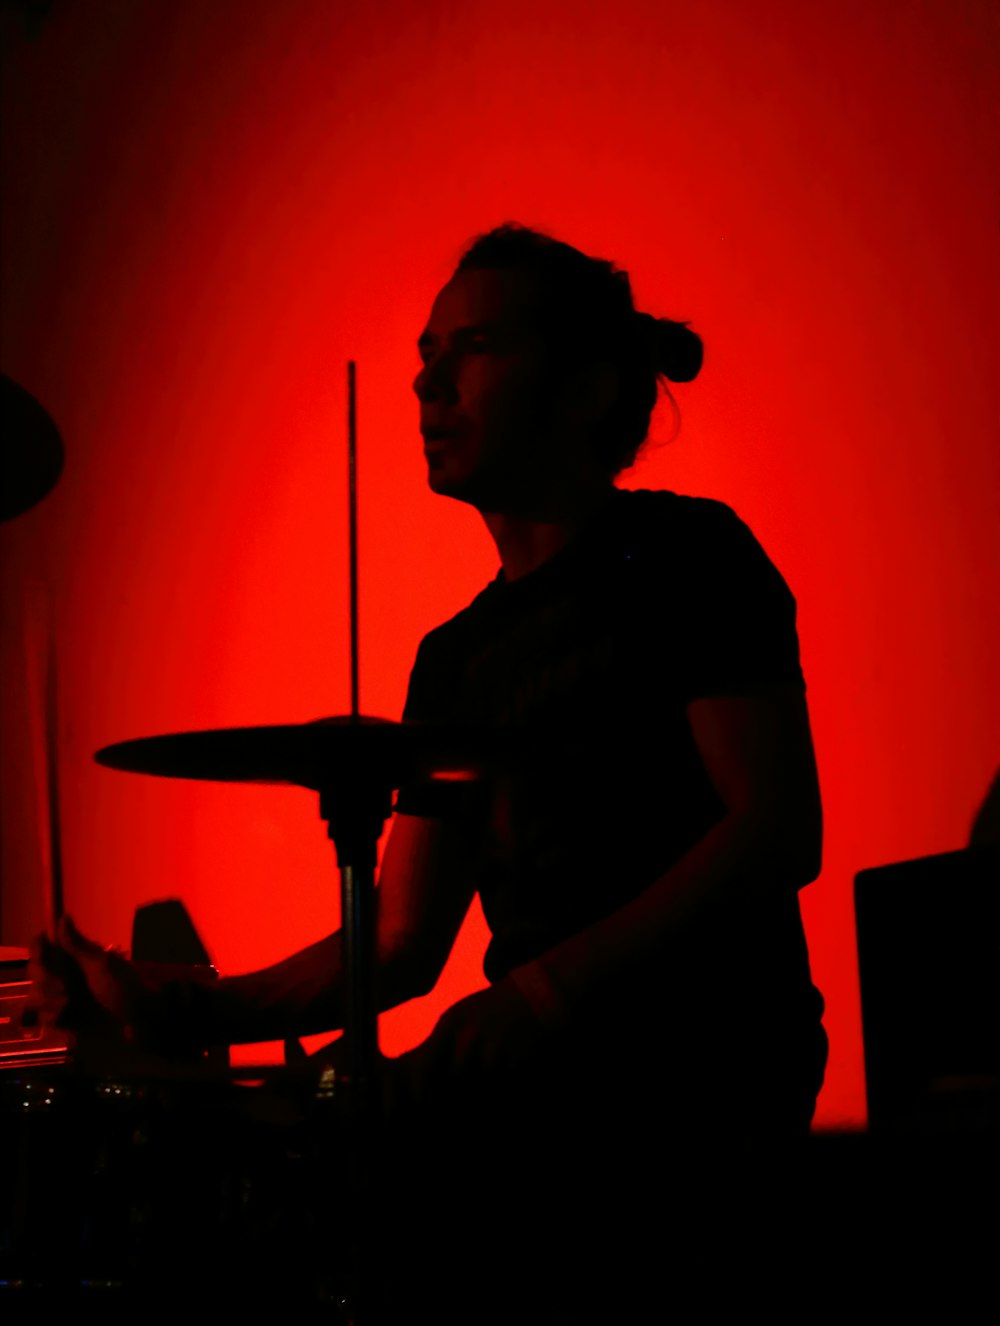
[(587, 394)]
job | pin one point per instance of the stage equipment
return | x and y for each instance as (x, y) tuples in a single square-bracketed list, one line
[(31, 450), (929, 964), (354, 762)]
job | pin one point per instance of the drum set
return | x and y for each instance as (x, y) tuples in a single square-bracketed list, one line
[(153, 1179)]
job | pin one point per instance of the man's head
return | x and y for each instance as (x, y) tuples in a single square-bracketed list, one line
[(538, 372)]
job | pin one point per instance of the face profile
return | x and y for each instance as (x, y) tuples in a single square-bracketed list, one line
[(492, 414)]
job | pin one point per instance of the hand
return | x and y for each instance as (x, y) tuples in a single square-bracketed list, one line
[(485, 1036), (80, 986)]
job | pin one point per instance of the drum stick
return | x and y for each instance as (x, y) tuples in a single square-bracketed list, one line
[(43, 715), (352, 499)]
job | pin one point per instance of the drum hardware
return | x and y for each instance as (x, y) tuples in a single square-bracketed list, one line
[(43, 713), (170, 1181), (354, 762), (31, 451)]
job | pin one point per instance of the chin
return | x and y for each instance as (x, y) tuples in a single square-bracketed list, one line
[(447, 482)]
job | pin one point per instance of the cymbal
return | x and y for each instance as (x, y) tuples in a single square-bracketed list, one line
[(31, 450), (310, 754)]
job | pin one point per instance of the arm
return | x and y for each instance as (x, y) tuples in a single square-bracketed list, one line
[(425, 888), (424, 891), (757, 750)]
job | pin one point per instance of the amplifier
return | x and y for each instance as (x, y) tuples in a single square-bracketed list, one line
[(928, 935)]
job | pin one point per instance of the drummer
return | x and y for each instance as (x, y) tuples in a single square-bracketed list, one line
[(639, 870)]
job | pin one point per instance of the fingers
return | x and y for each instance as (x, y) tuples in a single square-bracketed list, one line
[(50, 966), (78, 985), (56, 983)]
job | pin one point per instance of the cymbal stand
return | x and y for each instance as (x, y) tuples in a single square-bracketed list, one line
[(43, 707), (355, 813), (355, 805), (355, 809)]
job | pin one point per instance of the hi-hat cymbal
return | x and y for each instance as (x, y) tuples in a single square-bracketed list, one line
[(31, 450), (310, 754)]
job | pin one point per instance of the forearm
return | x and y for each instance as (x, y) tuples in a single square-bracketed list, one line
[(295, 997), (421, 899), (729, 867), (299, 996)]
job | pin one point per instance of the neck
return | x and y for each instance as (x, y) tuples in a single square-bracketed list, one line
[(527, 541)]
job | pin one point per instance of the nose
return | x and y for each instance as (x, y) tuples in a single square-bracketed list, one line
[(436, 381)]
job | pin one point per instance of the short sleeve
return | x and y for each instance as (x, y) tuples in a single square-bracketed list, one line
[(738, 619), (430, 698), (427, 692)]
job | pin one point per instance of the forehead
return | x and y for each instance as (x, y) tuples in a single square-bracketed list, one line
[(476, 296)]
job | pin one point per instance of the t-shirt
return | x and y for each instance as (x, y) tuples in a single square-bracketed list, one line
[(593, 658)]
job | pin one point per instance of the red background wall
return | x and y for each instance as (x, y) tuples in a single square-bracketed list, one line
[(207, 209)]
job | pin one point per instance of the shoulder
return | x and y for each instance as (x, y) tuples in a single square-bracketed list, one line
[(662, 509), (703, 530), (731, 613), (714, 564), (442, 655), (464, 622), (446, 645)]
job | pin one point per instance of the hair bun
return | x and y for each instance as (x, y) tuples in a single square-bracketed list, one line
[(677, 350)]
